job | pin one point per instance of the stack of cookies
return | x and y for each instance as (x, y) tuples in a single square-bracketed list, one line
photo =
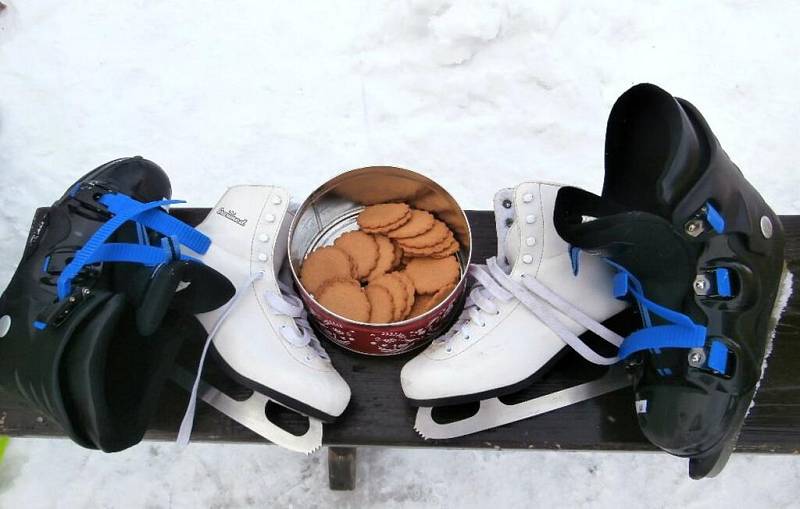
[(398, 265)]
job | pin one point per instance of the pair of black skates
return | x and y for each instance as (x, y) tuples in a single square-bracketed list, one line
[(695, 246)]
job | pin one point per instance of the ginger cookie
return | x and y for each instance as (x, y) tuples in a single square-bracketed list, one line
[(425, 303), (389, 227), (434, 236), (410, 290), (323, 264), (382, 215), (337, 281), (398, 256), (398, 291), (382, 305), (421, 305), (432, 274), (451, 249), (440, 295), (429, 250), (362, 248), (386, 256), (346, 298), (420, 222)]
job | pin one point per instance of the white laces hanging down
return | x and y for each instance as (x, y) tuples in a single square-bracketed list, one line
[(481, 300), (494, 284), (185, 430), (287, 304)]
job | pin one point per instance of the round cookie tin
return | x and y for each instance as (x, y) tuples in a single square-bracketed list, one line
[(332, 209)]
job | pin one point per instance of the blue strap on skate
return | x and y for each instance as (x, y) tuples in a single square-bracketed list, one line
[(153, 217), (682, 332), (136, 253), (150, 215), (714, 218), (574, 259)]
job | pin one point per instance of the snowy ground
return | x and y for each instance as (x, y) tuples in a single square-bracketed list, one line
[(476, 94)]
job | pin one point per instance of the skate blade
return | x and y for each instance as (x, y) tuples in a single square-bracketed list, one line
[(493, 412), (251, 413)]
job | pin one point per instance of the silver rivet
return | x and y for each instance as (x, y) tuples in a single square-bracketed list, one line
[(530, 219), (527, 197), (697, 356), (766, 227), (5, 325), (527, 259), (694, 227), (276, 200), (701, 285), (270, 218), (507, 204), (263, 237), (262, 257), (530, 241)]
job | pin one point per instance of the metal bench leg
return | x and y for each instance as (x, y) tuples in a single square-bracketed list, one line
[(342, 468)]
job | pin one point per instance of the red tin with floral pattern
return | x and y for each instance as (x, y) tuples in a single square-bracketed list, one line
[(332, 210)]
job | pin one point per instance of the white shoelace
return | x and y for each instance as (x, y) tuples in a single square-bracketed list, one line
[(481, 300), (495, 284), (287, 304)]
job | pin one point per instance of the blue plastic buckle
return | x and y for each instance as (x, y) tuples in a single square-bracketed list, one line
[(714, 218), (722, 279), (718, 357), (621, 285), (714, 283), (89, 194), (57, 313)]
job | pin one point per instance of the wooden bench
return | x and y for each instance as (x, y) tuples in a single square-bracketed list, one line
[(378, 414)]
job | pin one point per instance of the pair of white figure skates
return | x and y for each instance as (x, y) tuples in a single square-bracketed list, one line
[(525, 306)]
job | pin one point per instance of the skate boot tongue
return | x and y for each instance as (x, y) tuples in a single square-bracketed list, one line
[(653, 154), (184, 285)]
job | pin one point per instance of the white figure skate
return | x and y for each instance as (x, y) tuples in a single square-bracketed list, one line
[(261, 337), (527, 305)]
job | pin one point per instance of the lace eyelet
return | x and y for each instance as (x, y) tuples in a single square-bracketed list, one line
[(449, 349), (308, 357)]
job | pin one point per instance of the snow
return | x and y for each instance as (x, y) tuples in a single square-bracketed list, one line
[(210, 475), (478, 95)]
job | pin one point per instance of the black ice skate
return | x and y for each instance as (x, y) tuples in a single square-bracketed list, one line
[(701, 253), (80, 323)]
